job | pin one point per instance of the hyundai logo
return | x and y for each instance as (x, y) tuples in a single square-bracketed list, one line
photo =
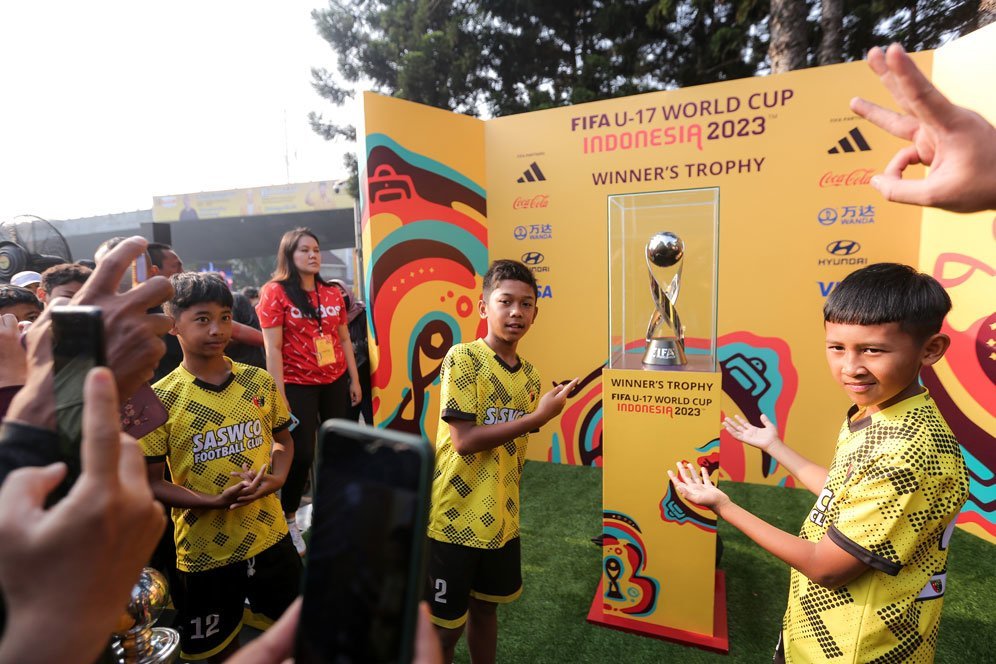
[(520, 232), (827, 216), (843, 248), (533, 258)]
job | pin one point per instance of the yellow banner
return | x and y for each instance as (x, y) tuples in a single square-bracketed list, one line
[(276, 199), (425, 251), (960, 251), (796, 214)]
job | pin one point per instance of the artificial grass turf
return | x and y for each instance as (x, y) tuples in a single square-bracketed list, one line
[(561, 512)]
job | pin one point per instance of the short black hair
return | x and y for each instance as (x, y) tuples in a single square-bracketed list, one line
[(157, 251), (250, 292), (889, 293), (11, 295), (503, 269), (66, 273), (190, 288)]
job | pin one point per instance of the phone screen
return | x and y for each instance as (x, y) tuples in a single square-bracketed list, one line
[(364, 573), (77, 347), (140, 270)]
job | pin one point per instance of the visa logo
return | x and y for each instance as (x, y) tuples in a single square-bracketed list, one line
[(827, 286)]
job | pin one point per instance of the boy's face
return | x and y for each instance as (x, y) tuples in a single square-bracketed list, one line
[(204, 329), (67, 290), (510, 310), (23, 311), (874, 363)]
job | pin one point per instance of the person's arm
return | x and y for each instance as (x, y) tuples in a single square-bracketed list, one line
[(355, 391), (470, 438), (273, 344), (765, 438), (108, 526), (959, 145), (821, 562), (174, 495), (246, 334), (264, 483)]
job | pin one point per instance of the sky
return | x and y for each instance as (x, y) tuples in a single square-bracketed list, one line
[(106, 104)]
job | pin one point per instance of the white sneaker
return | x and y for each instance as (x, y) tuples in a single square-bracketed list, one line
[(296, 538)]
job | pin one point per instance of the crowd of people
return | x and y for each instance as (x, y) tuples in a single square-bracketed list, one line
[(225, 395)]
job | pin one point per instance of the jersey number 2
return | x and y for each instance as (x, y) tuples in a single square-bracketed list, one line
[(440, 591)]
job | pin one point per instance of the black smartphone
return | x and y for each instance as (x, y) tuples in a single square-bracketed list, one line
[(365, 572), (77, 347)]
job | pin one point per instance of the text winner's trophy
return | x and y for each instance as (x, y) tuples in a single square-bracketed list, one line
[(665, 334)]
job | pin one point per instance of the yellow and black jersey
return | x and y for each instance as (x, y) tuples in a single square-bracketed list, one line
[(475, 497), (892, 495), (212, 431)]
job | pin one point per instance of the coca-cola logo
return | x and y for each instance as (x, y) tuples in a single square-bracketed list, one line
[(858, 176), (527, 202)]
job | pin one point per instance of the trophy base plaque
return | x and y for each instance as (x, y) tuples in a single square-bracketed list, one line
[(664, 352)]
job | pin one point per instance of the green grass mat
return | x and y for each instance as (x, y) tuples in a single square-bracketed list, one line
[(561, 512)]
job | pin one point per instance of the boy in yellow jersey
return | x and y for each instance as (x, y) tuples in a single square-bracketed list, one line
[(868, 567), (229, 449), (490, 401)]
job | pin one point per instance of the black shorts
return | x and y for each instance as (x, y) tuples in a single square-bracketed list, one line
[(211, 605), (457, 573)]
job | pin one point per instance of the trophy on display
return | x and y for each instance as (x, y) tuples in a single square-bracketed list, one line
[(665, 333), (136, 641)]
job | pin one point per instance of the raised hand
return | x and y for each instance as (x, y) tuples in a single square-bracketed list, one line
[(760, 437), (552, 403), (693, 484), (69, 569), (958, 144)]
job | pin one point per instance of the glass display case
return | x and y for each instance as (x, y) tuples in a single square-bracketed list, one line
[(663, 280)]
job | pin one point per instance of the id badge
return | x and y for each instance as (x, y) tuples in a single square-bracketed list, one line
[(324, 351)]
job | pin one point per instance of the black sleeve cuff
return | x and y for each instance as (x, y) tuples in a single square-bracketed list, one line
[(23, 445), (282, 426), (448, 414), (864, 555), (159, 458)]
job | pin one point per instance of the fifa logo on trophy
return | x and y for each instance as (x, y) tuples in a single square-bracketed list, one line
[(665, 333)]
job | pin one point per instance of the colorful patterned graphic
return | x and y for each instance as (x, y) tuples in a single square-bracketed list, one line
[(579, 440), (425, 232), (676, 510), (624, 557), (963, 383), (758, 377)]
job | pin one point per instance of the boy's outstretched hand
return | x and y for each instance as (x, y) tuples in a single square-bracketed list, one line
[(696, 487), (745, 432), (552, 402)]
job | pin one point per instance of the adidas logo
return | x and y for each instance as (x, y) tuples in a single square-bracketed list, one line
[(845, 145), (532, 174)]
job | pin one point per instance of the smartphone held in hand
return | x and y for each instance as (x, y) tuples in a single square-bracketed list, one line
[(365, 573), (77, 347)]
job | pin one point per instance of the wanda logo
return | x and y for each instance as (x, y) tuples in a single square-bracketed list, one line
[(527, 203), (858, 176)]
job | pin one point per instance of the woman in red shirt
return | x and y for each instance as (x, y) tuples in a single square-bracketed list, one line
[(308, 353)]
